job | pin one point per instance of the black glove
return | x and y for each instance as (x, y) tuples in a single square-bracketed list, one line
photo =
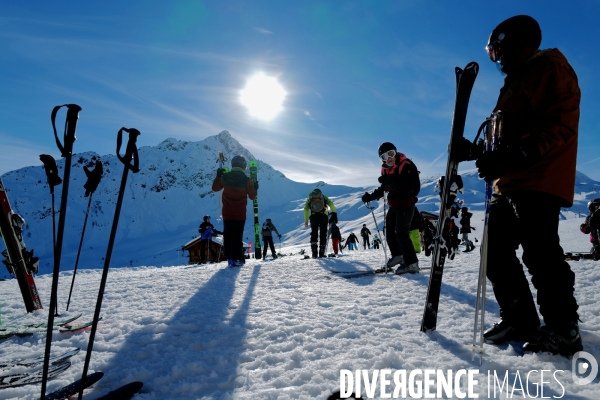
[(467, 151), (256, 185), (367, 197), (220, 171), (494, 164), (333, 218)]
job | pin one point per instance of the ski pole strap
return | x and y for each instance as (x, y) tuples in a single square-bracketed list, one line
[(131, 150), (93, 176), (70, 126)]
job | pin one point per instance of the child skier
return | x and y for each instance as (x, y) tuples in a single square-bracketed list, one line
[(237, 188), (267, 234), (336, 236), (400, 178), (207, 231)]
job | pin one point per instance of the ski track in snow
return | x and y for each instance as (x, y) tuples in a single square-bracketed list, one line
[(283, 329)]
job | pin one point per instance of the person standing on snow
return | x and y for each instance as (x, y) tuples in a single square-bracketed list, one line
[(465, 228), (352, 242), (376, 242), (533, 175), (336, 237), (400, 178), (321, 211), (207, 231), (267, 234), (591, 227), (365, 233), (237, 189)]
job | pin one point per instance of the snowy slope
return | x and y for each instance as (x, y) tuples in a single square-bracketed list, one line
[(164, 203), (283, 329)]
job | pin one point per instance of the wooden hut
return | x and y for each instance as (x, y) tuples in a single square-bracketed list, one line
[(194, 249)]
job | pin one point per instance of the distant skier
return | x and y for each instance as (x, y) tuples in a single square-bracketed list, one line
[(321, 211), (336, 237), (365, 233), (465, 228), (591, 226), (400, 178), (267, 234), (376, 242), (352, 242), (533, 175), (237, 188), (207, 231)]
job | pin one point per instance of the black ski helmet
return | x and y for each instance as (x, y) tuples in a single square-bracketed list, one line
[(316, 191), (238, 161), (464, 210), (385, 147), (593, 205), (512, 35), (206, 218)]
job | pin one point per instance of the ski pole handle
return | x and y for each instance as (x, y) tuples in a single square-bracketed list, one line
[(131, 150), (70, 127)]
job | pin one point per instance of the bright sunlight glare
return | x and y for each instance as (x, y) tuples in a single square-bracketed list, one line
[(263, 96)]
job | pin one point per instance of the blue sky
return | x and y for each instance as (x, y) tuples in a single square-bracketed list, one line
[(355, 73)]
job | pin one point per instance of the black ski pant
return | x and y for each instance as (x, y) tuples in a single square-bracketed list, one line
[(268, 242), (318, 228), (529, 219), (397, 234), (366, 242), (205, 247), (233, 232)]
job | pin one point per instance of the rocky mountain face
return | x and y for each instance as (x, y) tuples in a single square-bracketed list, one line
[(164, 203)]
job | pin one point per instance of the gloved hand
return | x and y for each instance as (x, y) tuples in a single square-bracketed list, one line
[(367, 197), (467, 151), (333, 218), (220, 172), (494, 164), (256, 185)]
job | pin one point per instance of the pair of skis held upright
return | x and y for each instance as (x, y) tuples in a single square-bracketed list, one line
[(131, 163), (492, 128)]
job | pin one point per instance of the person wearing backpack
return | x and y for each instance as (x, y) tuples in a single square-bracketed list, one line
[(237, 189), (207, 231), (336, 237), (400, 179), (365, 233), (267, 234), (317, 209), (376, 242)]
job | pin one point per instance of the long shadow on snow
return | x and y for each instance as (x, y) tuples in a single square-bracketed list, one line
[(194, 354)]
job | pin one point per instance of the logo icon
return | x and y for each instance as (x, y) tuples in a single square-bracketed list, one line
[(584, 368)]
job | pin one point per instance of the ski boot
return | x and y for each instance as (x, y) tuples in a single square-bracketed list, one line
[(395, 260), (313, 248), (322, 251)]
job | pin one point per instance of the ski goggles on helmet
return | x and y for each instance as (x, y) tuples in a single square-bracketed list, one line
[(493, 49), (388, 154)]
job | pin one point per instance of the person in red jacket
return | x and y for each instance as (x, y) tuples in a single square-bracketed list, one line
[(400, 178), (237, 189)]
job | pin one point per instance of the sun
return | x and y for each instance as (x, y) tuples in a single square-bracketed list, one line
[(263, 96)]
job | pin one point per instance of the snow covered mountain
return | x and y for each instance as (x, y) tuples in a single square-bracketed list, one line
[(164, 203)]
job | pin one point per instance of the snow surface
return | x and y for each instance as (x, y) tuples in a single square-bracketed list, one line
[(283, 329)]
